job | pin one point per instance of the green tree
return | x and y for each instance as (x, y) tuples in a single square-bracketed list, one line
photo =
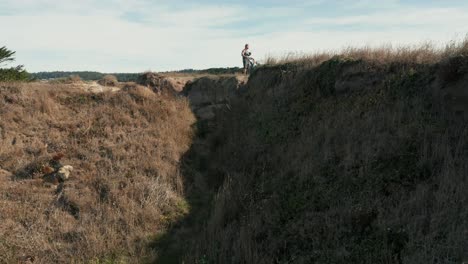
[(17, 73), (6, 55)]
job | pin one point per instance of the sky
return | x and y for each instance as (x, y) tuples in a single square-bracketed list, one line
[(156, 35)]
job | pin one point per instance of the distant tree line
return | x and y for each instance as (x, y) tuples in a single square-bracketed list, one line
[(18, 73), (85, 75)]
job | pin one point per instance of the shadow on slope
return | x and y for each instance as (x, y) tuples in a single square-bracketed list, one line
[(346, 162)]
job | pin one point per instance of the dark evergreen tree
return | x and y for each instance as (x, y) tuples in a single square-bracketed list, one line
[(6, 55)]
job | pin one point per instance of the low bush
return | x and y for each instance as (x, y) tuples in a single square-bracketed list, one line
[(14, 74)]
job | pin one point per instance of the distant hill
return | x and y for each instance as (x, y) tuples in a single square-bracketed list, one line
[(85, 75)]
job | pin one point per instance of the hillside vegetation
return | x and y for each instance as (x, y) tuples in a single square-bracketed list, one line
[(126, 186), (356, 158)]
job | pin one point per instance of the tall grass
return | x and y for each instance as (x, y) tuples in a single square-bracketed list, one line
[(425, 53)]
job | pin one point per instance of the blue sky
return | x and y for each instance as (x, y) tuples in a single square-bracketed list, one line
[(140, 35)]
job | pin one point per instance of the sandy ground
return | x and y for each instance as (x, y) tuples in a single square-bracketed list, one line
[(94, 87)]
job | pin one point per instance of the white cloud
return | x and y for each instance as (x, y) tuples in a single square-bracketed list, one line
[(443, 17), (165, 41)]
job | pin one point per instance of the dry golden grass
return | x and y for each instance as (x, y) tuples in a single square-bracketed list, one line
[(126, 186), (426, 53)]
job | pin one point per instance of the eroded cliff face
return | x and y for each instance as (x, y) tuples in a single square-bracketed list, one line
[(346, 162), (209, 94)]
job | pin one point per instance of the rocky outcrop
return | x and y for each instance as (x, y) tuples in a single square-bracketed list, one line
[(61, 175)]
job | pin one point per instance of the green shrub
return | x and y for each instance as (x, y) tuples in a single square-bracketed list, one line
[(14, 74)]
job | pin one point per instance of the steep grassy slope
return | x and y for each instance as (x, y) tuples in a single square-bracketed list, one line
[(126, 188), (345, 161)]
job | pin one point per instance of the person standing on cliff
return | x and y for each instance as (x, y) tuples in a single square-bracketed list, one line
[(245, 57)]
